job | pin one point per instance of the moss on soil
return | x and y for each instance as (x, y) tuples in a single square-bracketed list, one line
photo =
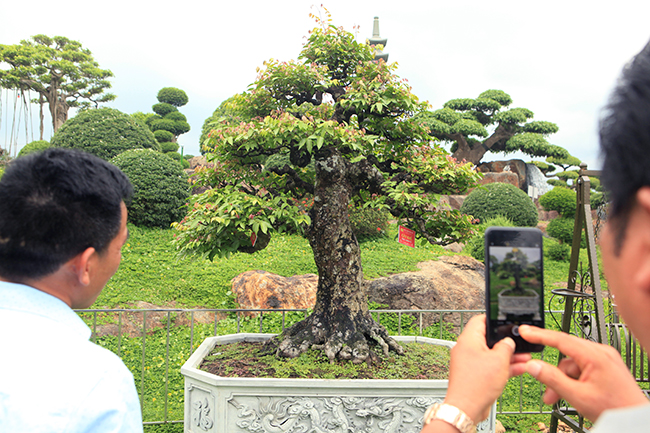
[(421, 361)]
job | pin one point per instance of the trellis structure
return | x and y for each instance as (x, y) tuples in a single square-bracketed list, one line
[(584, 307)]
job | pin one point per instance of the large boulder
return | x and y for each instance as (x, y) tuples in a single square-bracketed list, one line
[(503, 177), (261, 289), (516, 166), (450, 283)]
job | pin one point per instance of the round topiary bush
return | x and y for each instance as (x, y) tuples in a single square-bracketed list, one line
[(160, 187), (168, 146), (173, 96), (174, 155), (34, 146), (162, 108), (176, 116), (163, 136), (562, 229), (503, 199), (557, 252), (560, 199), (164, 124), (104, 132)]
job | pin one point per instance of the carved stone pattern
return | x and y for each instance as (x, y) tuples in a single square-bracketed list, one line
[(332, 414), (201, 415)]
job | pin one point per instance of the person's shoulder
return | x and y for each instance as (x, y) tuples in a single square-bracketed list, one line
[(628, 419), (102, 358)]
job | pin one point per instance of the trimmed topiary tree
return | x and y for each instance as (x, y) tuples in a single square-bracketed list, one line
[(495, 199), (160, 186), (104, 132), (34, 146), (560, 199), (168, 123)]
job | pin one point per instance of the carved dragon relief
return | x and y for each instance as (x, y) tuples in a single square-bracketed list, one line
[(332, 414)]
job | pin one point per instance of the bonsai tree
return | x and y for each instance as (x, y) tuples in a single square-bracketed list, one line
[(160, 187), (60, 70), (487, 124), (353, 119)]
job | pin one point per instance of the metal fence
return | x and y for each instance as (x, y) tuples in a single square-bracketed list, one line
[(154, 344)]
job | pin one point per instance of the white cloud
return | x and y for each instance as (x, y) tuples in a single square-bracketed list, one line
[(560, 59)]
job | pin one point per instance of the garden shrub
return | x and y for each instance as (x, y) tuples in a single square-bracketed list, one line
[(176, 116), (104, 132), (560, 199), (557, 252), (562, 229), (173, 96), (174, 155), (476, 244), (160, 186), (162, 108), (163, 136), (368, 221), (164, 124), (34, 146), (168, 146), (495, 199)]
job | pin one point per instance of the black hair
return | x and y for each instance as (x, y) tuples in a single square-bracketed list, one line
[(625, 140), (54, 205)]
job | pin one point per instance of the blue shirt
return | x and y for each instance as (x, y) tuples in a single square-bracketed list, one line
[(634, 419), (52, 378)]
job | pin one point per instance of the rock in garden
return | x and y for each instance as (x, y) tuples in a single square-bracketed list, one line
[(516, 166), (450, 283), (261, 289), (504, 177)]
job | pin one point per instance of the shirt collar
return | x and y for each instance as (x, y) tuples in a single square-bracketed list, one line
[(27, 299)]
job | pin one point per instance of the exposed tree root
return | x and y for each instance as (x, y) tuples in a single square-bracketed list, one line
[(348, 340)]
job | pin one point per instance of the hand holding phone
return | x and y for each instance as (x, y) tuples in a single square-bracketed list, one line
[(514, 284)]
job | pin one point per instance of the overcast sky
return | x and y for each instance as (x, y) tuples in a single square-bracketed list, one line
[(560, 59)]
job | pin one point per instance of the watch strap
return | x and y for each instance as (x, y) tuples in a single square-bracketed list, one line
[(451, 415)]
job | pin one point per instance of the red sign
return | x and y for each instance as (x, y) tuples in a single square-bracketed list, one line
[(406, 237), (253, 238)]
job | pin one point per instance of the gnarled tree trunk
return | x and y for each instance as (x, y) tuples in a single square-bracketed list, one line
[(341, 324)]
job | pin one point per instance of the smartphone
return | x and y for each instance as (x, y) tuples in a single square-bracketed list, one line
[(514, 284)]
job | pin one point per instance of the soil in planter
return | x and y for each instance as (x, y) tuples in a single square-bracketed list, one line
[(420, 361)]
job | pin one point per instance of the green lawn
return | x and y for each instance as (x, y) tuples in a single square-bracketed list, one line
[(150, 272)]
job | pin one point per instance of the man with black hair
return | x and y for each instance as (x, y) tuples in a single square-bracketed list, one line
[(62, 227), (592, 377)]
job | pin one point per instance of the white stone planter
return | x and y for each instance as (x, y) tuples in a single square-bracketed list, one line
[(261, 405)]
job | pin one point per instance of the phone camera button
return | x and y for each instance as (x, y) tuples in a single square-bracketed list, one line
[(515, 330)]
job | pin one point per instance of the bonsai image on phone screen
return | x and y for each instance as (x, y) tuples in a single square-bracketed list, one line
[(515, 284)]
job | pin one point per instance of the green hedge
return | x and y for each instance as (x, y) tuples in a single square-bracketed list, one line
[(501, 199), (34, 146), (560, 199), (160, 185), (104, 132)]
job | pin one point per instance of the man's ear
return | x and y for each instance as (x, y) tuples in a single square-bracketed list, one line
[(643, 198), (642, 276), (82, 264)]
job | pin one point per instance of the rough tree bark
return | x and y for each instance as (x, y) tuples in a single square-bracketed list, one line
[(341, 324), (496, 142)]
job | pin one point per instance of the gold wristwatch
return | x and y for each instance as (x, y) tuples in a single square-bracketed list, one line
[(451, 415)]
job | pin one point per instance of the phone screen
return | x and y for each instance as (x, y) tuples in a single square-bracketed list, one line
[(514, 292)]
